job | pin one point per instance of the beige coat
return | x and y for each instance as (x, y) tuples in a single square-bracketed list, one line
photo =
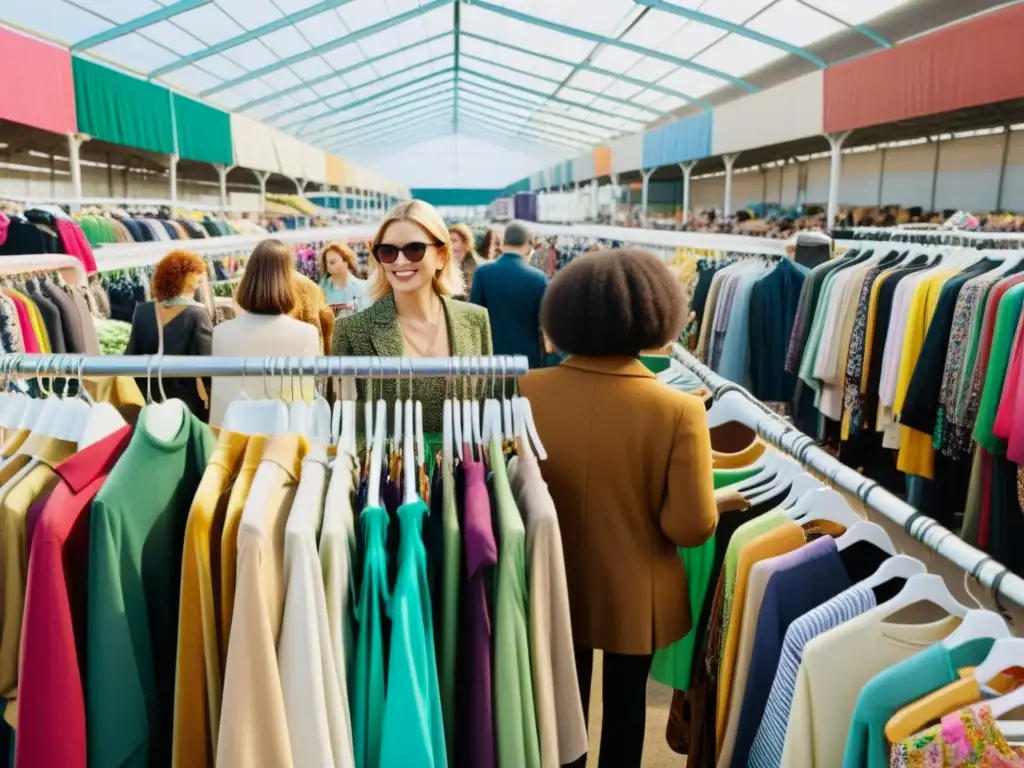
[(250, 335)]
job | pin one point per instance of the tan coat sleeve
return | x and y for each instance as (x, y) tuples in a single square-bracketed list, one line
[(689, 514)]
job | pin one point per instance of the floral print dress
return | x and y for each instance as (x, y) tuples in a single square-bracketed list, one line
[(969, 737)]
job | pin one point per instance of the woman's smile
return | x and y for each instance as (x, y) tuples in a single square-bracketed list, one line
[(404, 274)]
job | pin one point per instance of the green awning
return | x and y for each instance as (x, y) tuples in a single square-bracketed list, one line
[(204, 133), (456, 197), (122, 109)]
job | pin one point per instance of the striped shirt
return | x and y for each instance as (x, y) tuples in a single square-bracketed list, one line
[(771, 735)]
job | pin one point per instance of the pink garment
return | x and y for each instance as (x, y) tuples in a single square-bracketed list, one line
[(4, 224), (75, 243), (28, 335), (1015, 430), (1008, 399)]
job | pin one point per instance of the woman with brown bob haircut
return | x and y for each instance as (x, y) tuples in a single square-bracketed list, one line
[(263, 329), (174, 323), (629, 470)]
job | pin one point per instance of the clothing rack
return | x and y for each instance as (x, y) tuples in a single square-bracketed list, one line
[(936, 236), (791, 441), (185, 366)]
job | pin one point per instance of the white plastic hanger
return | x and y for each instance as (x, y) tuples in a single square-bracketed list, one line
[(824, 504), (46, 412), (421, 443), (162, 420), (447, 431), (475, 412), (766, 465), (1005, 654), (298, 409), (318, 418), (336, 409), (102, 420), (802, 483), (377, 454), (396, 435), (62, 418), (257, 417), (457, 412), (409, 455), (898, 567), (731, 407), (978, 624), (928, 588), (30, 415), (14, 409), (786, 471), (348, 427), (369, 422), (528, 433), (508, 428), (872, 533)]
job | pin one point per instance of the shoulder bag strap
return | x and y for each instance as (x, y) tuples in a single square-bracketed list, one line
[(200, 386)]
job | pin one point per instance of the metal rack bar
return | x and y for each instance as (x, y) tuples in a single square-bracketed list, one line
[(991, 573), (177, 366)]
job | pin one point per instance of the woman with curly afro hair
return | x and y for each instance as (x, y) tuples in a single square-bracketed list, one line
[(176, 324), (629, 470)]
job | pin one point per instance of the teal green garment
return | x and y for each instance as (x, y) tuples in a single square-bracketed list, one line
[(451, 552), (413, 730), (91, 229), (136, 536), (1007, 316), (366, 696), (515, 716), (726, 477), (889, 691), (672, 665)]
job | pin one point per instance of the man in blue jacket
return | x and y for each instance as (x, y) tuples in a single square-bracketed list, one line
[(512, 291)]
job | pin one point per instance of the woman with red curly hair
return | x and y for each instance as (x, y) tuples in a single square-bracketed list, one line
[(174, 323)]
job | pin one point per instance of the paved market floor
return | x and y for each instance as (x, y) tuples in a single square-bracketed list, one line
[(656, 751)]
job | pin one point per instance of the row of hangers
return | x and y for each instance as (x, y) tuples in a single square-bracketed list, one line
[(77, 419), (808, 499)]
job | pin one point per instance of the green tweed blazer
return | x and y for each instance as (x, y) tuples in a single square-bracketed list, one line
[(375, 332)]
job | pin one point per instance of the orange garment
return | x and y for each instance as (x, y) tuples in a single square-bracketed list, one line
[(743, 458)]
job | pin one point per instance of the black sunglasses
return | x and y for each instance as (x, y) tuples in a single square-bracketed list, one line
[(414, 252)]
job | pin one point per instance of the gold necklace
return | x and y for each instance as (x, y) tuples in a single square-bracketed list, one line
[(428, 352)]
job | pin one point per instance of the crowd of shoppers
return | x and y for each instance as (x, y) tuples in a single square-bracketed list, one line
[(622, 512)]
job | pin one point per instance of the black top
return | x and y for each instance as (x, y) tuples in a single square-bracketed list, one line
[(922, 400), (51, 318), (71, 321), (189, 333)]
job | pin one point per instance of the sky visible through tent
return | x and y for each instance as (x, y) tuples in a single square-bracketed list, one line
[(362, 78)]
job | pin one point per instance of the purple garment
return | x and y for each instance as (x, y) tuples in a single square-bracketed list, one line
[(32, 519), (475, 731)]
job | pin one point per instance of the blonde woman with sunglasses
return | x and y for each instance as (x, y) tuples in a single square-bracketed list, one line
[(412, 279)]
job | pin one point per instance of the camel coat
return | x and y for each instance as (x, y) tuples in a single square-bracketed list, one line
[(629, 469)]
